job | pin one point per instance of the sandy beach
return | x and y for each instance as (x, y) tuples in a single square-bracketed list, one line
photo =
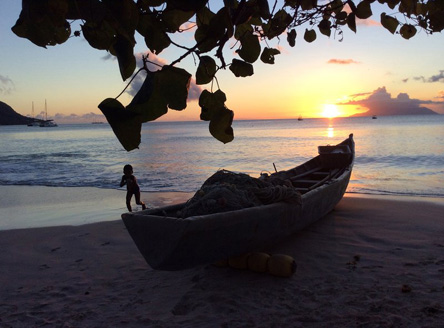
[(372, 262)]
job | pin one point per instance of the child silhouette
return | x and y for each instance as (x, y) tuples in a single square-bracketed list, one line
[(131, 186)]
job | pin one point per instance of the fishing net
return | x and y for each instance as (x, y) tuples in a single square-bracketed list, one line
[(228, 191)]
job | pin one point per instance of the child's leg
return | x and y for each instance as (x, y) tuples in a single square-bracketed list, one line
[(138, 202), (128, 201)]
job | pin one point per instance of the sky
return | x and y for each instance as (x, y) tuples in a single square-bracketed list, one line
[(328, 77)]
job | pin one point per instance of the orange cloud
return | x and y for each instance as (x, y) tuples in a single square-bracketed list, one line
[(342, 61)]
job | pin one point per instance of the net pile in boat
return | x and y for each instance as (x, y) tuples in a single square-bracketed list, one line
[(228, 191)]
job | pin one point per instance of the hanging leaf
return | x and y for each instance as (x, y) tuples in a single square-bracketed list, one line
[(241, 68), (390, 23), (213, 109), (174, 18), (351, 22), (325, 27), (43, 23), (242, 30), (189, 5), (123, 50), (336, 6), (251, 48), (174, 83), (125, 123), (163, 89), (308, 4), (206, 70), (291, 38), (309, 35), (209, 102), (264, 9), (151, 28), (268, 55), (149, 102), (220, 125), (363, 10), (99, 36), (278, 24), (407, 31)]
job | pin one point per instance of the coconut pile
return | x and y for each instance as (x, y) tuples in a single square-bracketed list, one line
[(228, 191)]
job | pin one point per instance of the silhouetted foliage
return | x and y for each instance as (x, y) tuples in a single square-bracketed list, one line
[(111, 25)]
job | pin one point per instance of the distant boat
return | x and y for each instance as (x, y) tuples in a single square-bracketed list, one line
[(34, 122), (47, 123), (374, 117), (300, 118), (97, 123)]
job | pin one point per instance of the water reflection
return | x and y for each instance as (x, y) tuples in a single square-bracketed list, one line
[(330, 131)]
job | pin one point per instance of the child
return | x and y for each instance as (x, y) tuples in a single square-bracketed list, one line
[(131, 186)]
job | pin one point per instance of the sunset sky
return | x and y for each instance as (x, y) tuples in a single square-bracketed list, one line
[(306, 80)]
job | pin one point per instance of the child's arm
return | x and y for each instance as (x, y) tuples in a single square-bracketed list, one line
[(123, 181)]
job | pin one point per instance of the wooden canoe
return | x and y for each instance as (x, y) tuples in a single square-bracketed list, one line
[(171, 243)]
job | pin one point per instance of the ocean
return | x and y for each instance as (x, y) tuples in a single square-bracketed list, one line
[(395, 155)]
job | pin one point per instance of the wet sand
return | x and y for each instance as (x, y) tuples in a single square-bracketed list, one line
[(372, 262)]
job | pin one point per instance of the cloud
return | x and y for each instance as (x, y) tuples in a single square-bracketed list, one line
[(342, 61), (74, 118), (380, 102), (432, 79), (7, 86)]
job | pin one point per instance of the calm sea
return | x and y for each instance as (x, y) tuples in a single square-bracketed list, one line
[(398, 155)]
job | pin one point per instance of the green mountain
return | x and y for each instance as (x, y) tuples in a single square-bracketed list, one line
[(8, 116)]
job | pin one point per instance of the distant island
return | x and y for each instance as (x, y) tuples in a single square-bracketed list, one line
[(389, 111), (8, 116)]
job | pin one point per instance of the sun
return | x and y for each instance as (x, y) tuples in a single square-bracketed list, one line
[(330, 111)]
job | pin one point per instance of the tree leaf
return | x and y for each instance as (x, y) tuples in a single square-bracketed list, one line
[(264, 9), (213, 109), (152, 29), (123, 49), (242, 30), (390, 23), (268, 55), (43, 23), (278, 24), (163, 89), (351, 22), (206, 70), (208, 35), (241, 68), (309, 35), (174, 83), (174, 18), (363, 10), (189, 5), (308, 4), (149, 102), (99, 36), (291, 38), (407, 31), (220, 125), (125, 123), (325, 27), (251, 48), (210, 102)]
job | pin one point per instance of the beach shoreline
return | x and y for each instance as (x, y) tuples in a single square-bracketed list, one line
[(372, 262)]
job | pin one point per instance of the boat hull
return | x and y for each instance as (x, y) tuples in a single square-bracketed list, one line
[(171, 243)]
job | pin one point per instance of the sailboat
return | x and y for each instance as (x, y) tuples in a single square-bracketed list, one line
[(47, 123), (34, 121)]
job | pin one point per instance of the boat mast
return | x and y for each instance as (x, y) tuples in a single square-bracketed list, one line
[(46, 112)]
